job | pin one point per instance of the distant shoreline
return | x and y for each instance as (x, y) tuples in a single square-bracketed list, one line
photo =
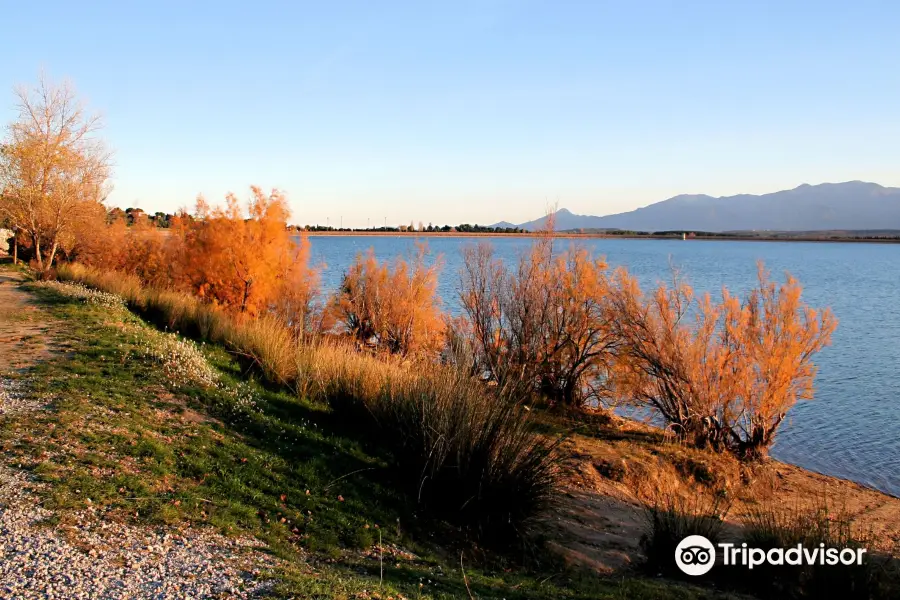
[(567, 235)]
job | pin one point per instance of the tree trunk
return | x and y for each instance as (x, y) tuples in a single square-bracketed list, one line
[(37, 252), (16, 247), (52, 255), (246, 295)]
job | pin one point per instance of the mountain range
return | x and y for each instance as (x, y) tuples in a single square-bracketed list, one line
[(848, 206)]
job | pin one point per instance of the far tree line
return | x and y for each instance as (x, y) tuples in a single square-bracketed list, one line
[(462, 228), (164, 220)]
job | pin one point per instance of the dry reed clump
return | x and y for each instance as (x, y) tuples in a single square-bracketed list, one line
[(175, 311), (469, 454), (802, 523), (84, 294), (270, 345), (329, 370), (171, 310), (127, 287), (465, 452), (186, 314), (671, 518)]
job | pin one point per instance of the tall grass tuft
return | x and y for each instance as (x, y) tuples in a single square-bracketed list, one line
[(124, 285), (269, 345), (470, 457), (671, 519), (329, 370), (464, 452)]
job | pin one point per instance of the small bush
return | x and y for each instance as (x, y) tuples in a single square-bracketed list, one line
[(544, 324), (470, 457), (393, 307), (671, 519), (728, 379), (175, 311)]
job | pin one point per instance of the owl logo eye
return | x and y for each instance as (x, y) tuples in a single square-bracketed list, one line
[(695, 555)]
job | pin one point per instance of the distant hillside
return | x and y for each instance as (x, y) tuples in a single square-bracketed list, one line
[(504, 225), (853, 205)]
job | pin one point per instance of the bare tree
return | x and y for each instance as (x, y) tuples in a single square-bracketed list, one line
[(54, 170)]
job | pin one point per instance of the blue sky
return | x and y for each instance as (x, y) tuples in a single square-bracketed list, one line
[(472, 110)]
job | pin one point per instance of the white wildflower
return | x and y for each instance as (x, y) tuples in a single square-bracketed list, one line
[(182, 361), (84, 293)]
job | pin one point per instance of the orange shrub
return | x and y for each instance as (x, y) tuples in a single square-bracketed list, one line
[(99, 244), (727, 380), (545, 326), (394, 307), (243, 261), (146, 253), (296, 300), (233, 261)]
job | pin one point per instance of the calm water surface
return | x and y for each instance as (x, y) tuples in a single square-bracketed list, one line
[(852, 428)]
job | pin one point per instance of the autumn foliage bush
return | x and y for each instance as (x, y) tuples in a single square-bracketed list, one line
[(241, 260), (391, 306), (544, 326), (722, 374), (234, 258)]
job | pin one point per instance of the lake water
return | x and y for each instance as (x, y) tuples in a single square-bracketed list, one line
[(852, 427)]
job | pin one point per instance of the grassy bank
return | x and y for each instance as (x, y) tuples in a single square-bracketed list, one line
[(146, 427), (465, 451)]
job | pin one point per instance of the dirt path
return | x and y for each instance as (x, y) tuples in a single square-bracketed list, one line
[(24, 332), (25, 339)]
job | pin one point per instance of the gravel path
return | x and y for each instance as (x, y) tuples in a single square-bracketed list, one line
[(95, 557)]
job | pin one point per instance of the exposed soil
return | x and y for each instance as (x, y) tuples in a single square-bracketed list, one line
[(619, 468)]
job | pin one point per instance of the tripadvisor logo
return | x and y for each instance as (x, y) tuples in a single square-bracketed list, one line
[(696, 555)]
